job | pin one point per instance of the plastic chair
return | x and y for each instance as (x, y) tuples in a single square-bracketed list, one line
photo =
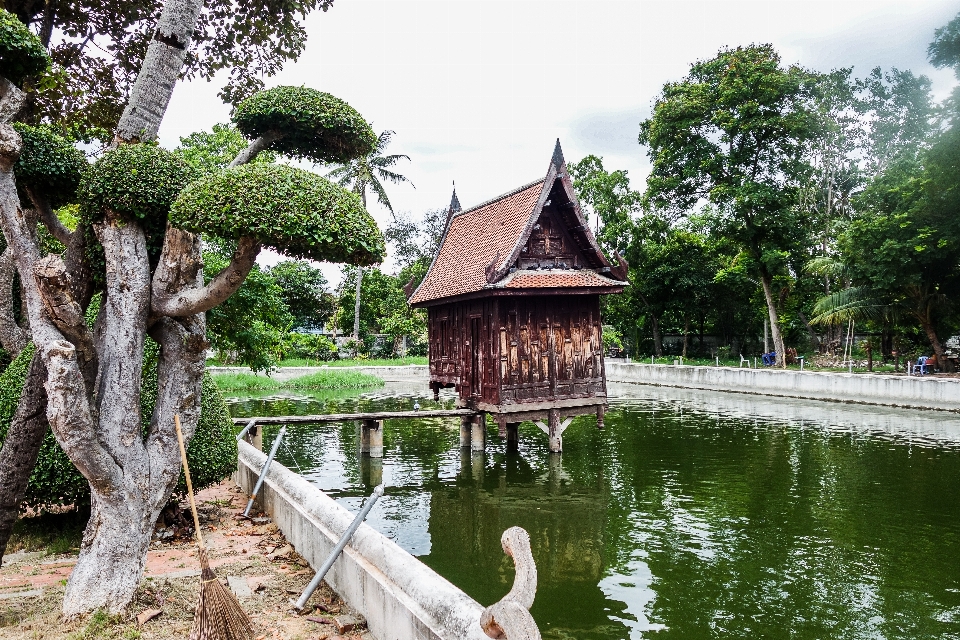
[(769, 359), (920, 367)]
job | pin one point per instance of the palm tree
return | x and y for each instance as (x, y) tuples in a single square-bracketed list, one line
[(364, 173)]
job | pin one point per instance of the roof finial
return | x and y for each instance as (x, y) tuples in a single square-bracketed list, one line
[(454, 201), (557, 158)]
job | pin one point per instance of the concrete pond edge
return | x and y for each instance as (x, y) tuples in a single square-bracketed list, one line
[(400, 597), (910, 392)]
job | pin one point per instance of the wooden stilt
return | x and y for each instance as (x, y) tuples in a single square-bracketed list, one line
[(513, 437), (556, 433), (371, 438), (466, 426), (478, 436), (600, 411)]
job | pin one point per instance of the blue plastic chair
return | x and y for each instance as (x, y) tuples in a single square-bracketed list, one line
[(769, 359), (921, 365)]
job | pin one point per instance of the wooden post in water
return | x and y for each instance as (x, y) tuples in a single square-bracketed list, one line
[(371, 438), (478, 435), (513, 437), (466, 426)]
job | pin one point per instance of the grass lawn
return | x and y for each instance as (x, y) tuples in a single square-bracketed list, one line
[(352, 362), (332, 379)]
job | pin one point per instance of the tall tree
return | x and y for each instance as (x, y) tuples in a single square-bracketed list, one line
[(136, 244), (733, 133), (370, 172)]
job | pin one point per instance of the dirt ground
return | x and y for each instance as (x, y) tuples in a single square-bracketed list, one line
[(263, 569)]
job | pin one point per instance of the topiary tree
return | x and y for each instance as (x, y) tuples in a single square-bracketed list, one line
[(303, 123), (151, 283)]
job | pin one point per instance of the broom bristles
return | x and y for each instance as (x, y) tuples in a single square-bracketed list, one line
[(218, 615)]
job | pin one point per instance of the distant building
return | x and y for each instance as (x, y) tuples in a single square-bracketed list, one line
[(513, 304)]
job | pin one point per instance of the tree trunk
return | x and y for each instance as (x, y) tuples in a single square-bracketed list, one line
[(356, 306), (767, 281), (686, 335), (12, 337), (934, 339), (657, 339), (159, 72), (21, 447)]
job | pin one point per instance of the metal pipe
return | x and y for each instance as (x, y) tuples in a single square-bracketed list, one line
[(263, 472), (337, 550), (246, 429)]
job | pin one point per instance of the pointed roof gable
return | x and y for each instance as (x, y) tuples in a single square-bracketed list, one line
[(481, 247)]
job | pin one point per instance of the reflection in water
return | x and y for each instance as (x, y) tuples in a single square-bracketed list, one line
[(692, 515)]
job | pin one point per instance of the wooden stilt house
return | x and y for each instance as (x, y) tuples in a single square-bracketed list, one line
[(513, 304)]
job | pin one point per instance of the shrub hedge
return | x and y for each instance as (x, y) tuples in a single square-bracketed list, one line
[(49, 163), (212, 453), (21, 53), (296, 212), (313, 124)]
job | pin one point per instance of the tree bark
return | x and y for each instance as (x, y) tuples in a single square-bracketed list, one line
[(767, 281), (931, 331), (686, 335), (21, 447), (187, 302), (255, 147), (159, 72)]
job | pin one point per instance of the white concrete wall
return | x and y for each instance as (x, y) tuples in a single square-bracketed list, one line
[(401, 598), (401, 373), (891, 390)]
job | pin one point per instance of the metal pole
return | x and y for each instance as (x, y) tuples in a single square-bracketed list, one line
[(246, 429), (337, 550), (263, 472)]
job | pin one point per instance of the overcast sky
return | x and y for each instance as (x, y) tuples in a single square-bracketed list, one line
[(477, 91)]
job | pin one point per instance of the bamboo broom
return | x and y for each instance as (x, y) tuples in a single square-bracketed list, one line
[(218, 615)]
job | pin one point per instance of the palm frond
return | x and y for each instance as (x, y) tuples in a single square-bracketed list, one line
[(378, 189), (854, 303), (826, 266)]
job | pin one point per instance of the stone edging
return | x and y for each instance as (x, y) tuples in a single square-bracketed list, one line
[(895, 391)]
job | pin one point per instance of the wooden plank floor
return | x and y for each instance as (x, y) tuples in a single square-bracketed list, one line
[(346, 417)]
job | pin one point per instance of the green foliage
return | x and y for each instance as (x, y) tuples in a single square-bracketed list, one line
[(309, 346), (137, 181), (296, 212), (304, 291), (210, 152), (250, 327), (606, 195), (49, 164), (944, 51), (383, 305), (312, 124), (22, 55), (212, 453)]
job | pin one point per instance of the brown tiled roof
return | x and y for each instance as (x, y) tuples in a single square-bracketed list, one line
[(556, 279), (474, 238)]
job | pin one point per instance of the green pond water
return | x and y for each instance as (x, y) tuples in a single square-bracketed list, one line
[(692, 515)]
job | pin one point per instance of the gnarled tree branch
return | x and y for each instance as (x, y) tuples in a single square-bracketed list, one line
[(56, 289), (170, 299), (258, 145)]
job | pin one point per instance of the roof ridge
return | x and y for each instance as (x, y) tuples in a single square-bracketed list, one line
[(502, 196)]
